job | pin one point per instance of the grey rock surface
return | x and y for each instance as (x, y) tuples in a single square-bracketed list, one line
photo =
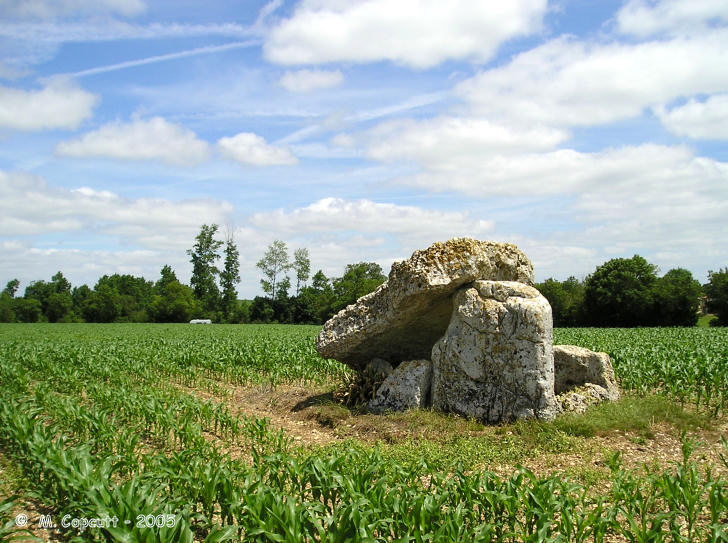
[(495, 360), (577, 400), (576, 366), (406, 315), (407, 387)]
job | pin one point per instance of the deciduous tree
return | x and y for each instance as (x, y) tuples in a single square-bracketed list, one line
[(230, 277), (619, 293), (302, 266), (204, 255), (273, 265)]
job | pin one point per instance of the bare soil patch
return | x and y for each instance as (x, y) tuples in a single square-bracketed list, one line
[(311, 417)]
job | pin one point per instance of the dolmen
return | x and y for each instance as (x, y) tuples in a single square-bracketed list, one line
[(459, 327)]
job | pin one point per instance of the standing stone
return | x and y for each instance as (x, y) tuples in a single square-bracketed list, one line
[(407, 387), (405, 316), (495, 360), (576, 366)]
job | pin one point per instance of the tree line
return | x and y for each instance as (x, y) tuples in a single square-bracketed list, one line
[(627, 292), (212, 292), (621, 292)]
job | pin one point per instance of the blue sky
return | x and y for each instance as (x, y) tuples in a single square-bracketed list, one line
[(362, 130)]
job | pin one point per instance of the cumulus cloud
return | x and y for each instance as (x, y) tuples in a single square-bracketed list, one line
[(311, 80), (417, 33), (698, 119), (566, 82), (566, 171), (643, 18), (446, 142), (29, 206), (367, 217), (60, 104), (252, 150), (152, 139)]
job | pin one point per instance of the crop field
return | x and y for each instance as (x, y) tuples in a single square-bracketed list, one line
[(229, 433)]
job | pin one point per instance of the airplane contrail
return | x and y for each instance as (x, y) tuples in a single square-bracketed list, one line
[(163, 58)]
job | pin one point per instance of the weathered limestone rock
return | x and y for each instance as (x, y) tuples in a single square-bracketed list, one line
[(577, 400), (407, 387), (405, 316), (495, 360), (575, 367), (378, 366)]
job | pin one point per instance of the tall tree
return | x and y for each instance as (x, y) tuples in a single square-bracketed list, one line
[(230, 277), (302, 265), (273, 264), (204, 255)]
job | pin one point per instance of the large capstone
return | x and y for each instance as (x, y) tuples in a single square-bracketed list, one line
[(495, 360), (410, 312)]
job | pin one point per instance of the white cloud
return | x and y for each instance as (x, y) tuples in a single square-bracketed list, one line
[(30, 207), (46, 9), (311, 80), (452, 142), (152, 139), (565, 171), (698, 120), (418, 33), (331, 215), (566, 82), (643, 18), (250, 149), (60, 104)]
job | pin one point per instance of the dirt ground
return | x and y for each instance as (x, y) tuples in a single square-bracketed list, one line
[(312, 417)]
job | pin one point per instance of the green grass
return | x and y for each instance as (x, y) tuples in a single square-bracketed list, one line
[(705, 320), (632, 414)]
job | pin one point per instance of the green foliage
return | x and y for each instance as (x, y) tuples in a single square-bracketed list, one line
[(7, 314), (302, 266), (27, 309), (717, 292), (203, 256), (358, 280), (229, 278), (676, 298), (619, 293), (273, 264), (174, 302), (566, 299)]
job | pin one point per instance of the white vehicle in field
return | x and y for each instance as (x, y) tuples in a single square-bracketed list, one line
[(200, 321)]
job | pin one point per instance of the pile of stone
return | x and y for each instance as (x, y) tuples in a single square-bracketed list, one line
[(459, 327)]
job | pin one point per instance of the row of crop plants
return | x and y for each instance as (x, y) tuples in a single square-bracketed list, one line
[(99, 426)]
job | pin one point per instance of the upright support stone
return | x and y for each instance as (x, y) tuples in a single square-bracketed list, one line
[(495, 361), (407, 387)]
